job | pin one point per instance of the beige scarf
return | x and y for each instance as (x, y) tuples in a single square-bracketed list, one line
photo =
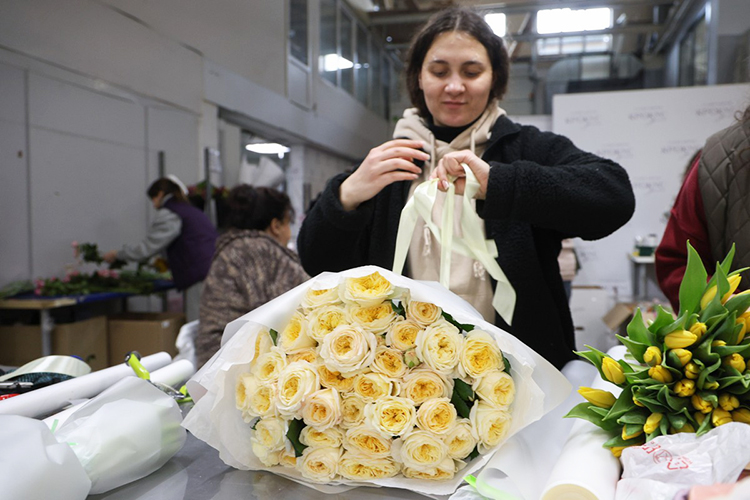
[(469, 279)]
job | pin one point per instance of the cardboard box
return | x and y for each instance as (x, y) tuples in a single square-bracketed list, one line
[(86, 339), (146, 333), (619, 316)]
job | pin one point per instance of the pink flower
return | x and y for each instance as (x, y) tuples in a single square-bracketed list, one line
[(38, 291), (74, 244), (53, 278), (66, 279), (103, 273), (74, 272), (114, 274), (39, 283)]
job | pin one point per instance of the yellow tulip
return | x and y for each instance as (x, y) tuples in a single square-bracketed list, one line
[(637, 433), (688, 427), (683, 355), (660, 374), (710, 386), (617, 450), (613, 371), (680, 339), (692, 371), (736, 361), (718, 343), (684, 388), (741, 415), (708, 296), (637, 403), (652, 356), (698, 416), (743, 329), (701, 404), (734, 282), (720, 417), (698, 329), (728, 402), (652, 423), (597, 397)]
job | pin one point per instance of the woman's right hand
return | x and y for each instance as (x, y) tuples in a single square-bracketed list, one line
[(388, 163)]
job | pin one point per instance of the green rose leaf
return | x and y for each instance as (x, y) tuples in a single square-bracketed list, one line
[(292, 434), (398, 308), (693, 282), (460, 326), (274, 336), (462, 408), (464, 390)]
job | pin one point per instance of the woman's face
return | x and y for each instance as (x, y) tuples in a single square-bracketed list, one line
[(456, 79), (156, 200), (281, 230)]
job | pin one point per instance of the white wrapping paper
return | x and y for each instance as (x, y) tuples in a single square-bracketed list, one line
[(51, 398), (585, 470), (215, 420), (127, 432)]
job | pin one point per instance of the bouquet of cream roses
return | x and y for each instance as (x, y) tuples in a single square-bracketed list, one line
[(365, 380)]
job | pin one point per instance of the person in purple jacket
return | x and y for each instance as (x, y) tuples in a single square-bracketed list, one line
[(183, 233)]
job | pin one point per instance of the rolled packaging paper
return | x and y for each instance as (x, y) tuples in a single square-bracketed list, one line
[(48, 399), (585, 470)]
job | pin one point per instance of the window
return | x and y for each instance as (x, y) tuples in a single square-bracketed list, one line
[(346, 62), (567, 20), (497, 23), (362, 66), (329, 57), (298, 30)]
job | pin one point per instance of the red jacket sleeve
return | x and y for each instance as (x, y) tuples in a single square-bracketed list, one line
[(687, 222)]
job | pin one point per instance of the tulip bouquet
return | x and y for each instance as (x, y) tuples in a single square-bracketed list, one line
[(687, 374), (365, 380)]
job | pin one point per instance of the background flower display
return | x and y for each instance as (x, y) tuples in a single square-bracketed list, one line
[(685, 373), (356, 377)]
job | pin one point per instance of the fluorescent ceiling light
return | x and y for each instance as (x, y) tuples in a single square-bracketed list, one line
[(497, 23), (267, 148), (332, 62), (567, 20)]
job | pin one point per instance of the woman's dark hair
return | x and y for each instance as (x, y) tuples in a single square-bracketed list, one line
[(456, 19), (166, 186), (255, 208)]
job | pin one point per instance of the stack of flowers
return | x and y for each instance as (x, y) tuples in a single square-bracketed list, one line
[(365, 376), (364, 383), (690, 374)]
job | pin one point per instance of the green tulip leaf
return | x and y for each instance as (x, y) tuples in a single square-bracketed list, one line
[(677, 421), (634, 417), (664, 425), (619, 441), (704, 427), (586, 412), (595, 357), (693, 282), (637, 331), (663, 318), (738, 303), (726, 350), (602, 412), (728, 330), (671, 401), (653, 404), (623, 404), (636, 348), (678, 324), (631, 429)]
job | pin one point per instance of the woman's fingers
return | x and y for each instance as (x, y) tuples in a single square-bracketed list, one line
[(452, 165)]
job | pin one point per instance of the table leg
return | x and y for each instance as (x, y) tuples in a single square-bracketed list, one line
[(47, 324)]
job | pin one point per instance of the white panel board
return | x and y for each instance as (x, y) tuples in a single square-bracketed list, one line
[(84, 190), (14, 205), (652, 134), (176, 133)]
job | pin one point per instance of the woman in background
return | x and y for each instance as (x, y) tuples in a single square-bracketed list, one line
[(183, 233), (251, 266)]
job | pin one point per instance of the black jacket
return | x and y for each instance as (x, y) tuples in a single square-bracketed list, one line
[(541, 189)]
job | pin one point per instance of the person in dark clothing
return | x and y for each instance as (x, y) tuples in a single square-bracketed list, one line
[(183, 233), (536, 188)]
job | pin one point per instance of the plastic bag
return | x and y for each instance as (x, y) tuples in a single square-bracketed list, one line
[(668, 464)]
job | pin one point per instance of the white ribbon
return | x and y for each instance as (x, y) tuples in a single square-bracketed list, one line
[(472, 244)]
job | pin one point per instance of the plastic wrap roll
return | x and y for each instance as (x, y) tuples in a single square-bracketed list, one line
[(174, 374), (585, 470), (48, 399)]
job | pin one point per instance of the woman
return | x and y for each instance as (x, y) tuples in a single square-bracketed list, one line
[(535, 188), (252, 264), (183, 232), (712, 210)]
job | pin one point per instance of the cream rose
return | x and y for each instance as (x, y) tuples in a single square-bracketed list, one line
[(367, 441), (334, 380), (320, 298), (246, 383), (294, 336), (366, 291), (261, 402), (391, 416), (270, 432), (496, 389), (389, 362), (310, 355), (358, 467), (319, 464), (287, 457), (348, 350), (372, 386), (444, 470), (420, 450), (480, 355), (423, 313), (461, 440), (375, 319), (324, 320), (267, 457), (403, 335), (439, 346), (352, 410), (296, 381), (310, 436), (424, 383), (268, 365), (436, 415), (491, 424), (322, 409), (263, 343)]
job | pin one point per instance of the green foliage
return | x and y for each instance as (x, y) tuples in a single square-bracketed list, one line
[(398, 308), (274, 336), (292, 434), (461, 327), (462, 398)]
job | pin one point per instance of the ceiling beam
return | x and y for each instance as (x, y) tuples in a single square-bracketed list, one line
[(382, 18)]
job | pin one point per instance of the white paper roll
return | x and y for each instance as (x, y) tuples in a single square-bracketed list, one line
[(48, 399), (174, 374), (585, 470)]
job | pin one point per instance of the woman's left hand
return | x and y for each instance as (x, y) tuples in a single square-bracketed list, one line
[(450, 164)]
